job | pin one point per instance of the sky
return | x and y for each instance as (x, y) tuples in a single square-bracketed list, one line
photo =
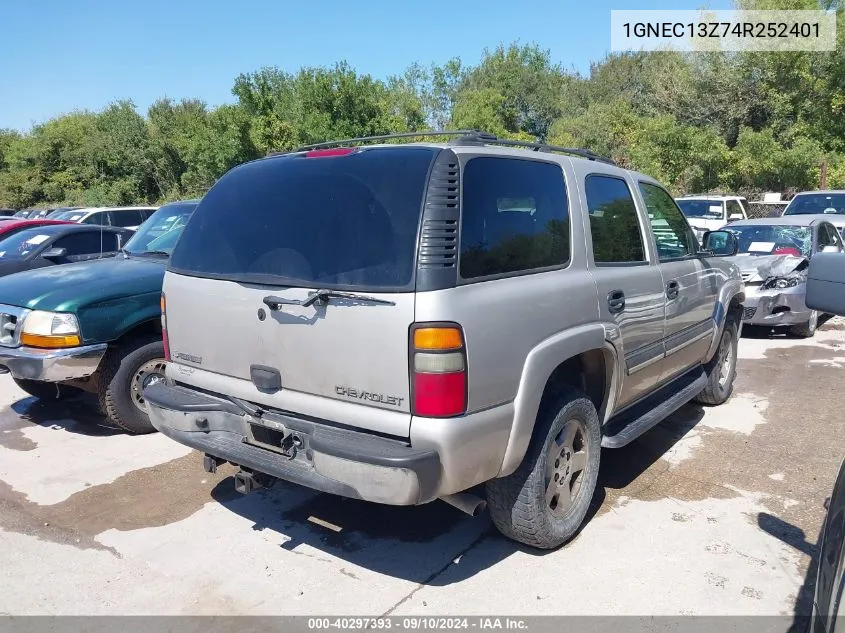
[(63, 55)]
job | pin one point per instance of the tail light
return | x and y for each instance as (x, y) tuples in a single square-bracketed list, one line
[(164, 329), (438, 370)]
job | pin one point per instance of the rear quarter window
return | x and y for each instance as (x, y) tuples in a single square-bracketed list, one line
[(334, 222), (514, 217)]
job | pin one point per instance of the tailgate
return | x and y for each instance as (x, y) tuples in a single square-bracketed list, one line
[(355, 355)]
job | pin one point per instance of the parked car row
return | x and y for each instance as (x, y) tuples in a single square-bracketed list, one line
[(124, 217), (774, 253)]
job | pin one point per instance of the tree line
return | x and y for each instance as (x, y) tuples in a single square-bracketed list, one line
[(700, 122)]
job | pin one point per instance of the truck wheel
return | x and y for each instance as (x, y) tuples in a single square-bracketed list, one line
[(125, 371), (721, 370), (544, 502), (47, 390), (808, 329)]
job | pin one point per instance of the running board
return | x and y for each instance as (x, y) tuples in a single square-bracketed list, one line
[(628, 425)]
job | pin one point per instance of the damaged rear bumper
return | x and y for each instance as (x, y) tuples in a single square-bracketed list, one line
[(326, 458), (775, 307)]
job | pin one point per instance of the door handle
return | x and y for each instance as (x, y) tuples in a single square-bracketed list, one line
[(672, 290), (615, 301)]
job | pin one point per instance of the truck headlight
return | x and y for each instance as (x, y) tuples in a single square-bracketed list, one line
[(50, 329)]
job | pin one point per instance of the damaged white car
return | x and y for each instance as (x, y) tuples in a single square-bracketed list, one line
[(773, 256)]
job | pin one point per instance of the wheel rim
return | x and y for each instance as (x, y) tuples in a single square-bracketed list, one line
[(150, 373), (726, 359), (566, 463)]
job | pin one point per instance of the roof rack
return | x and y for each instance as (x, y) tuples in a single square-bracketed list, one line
[(465, 137), (383, 137)]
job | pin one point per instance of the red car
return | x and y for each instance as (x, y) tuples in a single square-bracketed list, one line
[(10, 226)]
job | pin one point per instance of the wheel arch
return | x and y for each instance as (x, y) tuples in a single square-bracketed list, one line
[(729, 302), (582, 357)]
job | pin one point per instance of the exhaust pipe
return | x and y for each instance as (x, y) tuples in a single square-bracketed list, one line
[(466, 502)]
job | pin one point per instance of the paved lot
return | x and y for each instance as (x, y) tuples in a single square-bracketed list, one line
[(714, 512)]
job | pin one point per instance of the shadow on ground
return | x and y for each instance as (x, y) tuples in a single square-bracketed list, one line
[(420, 543), (77, 415), (795, 537)]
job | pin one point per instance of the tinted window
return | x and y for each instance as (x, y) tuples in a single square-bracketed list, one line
[(126, 218), (671, 232), (87, 243), (329, 221), (515, 217), (100, 217), (614, 226)]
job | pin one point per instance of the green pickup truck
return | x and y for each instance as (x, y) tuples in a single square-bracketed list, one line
[(94, 326)]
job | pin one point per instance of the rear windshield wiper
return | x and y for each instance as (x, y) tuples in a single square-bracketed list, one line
[(322, 296)]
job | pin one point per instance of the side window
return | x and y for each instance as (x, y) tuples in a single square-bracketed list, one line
[(515, 217), (827, 236), (127, 218), (614, 226), (100, 218), (673, 235), (86, 243), (734, 208)]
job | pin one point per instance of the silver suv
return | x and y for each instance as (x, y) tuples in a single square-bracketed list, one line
[(403, 322)]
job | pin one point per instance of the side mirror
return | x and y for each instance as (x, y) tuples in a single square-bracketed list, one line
[(826, 283), (735, 216), (719, 244), (54, 253)]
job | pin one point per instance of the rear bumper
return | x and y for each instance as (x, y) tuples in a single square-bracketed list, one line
[(52, 365), (347, 463)]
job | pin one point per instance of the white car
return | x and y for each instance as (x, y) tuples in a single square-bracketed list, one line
[(829, 205), (709, 213), (124, 217)]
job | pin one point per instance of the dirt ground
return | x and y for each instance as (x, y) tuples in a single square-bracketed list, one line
[(715, 511)]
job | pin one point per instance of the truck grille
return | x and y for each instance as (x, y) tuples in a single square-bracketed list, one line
[(747, 276), (11, 318), (748, 313)]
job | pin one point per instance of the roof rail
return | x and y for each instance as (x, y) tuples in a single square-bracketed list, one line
[(383, 137), (466, 137)]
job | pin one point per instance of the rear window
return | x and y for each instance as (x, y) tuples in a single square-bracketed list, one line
[(329, 221)]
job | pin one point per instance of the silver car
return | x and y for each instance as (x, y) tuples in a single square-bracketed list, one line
[(400, 323), (773, 256)]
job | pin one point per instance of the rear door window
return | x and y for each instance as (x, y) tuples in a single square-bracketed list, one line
[(515, 217), (100, 217), (127, 218), (330, 221), (614, 224)]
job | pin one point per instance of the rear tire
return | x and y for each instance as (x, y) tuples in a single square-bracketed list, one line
[(544, 502), (51, 391), (721, 370), (808, 329), (125, 370)]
